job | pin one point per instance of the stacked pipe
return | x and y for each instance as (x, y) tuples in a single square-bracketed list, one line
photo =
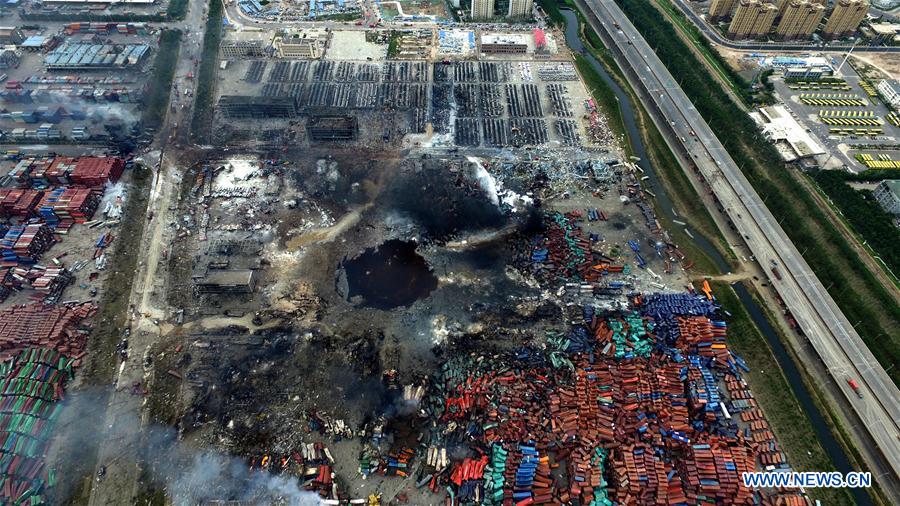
[(62, 207), (30, 385), (41, 325), (16, 202), (94, 172)]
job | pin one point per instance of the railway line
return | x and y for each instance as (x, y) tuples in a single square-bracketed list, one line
[(832, 336)]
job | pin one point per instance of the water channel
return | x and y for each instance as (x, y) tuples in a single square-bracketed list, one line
[(665, 207)]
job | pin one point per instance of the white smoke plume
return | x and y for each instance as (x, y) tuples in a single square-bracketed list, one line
[(494, 189), (189, 475)]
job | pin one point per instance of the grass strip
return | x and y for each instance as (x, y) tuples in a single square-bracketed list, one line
[(161, 83), (201, 124)]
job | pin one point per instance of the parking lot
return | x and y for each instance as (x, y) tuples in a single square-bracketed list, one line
[(75, 104), (839, 116)]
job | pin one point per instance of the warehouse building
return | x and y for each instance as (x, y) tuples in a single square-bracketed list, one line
[(226, 281), (805, 72), (331, 128), (303, 44), (244, 45), (256, 107), (507, 43), (882, 33), (89, 56), (889, 90), (887, 193), (791, 139)]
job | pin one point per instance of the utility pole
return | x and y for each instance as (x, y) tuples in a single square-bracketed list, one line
[(838, 70)]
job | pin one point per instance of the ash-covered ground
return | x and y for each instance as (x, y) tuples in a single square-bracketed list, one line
[(369, 273)]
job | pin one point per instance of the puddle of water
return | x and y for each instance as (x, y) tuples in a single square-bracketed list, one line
[(389, 276)]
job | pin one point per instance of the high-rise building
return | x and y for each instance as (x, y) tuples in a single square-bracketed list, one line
[(782, 5), (800, 19), (482, 9), (719, 9), (845, 17), (752, 18), (520, 8)]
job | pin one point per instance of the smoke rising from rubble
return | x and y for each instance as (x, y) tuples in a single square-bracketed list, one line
[(100, 112), (215, 476), (495, 191), (188, 475), (106, 112)]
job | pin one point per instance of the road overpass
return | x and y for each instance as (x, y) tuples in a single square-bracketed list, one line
[(832, 336)]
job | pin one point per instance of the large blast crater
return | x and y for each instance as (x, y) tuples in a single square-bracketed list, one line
[(389, 276)]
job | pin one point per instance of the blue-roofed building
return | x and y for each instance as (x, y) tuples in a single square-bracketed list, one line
[(88, 56)]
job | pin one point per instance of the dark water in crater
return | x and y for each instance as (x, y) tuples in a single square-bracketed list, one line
[(390, 275)]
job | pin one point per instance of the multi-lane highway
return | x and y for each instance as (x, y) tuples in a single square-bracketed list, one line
[(831, 334)]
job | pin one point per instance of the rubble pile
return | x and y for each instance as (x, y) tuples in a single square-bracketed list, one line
[(628, 407), (564, 253)]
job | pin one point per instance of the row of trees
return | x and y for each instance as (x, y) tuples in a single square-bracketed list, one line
[(865, 215)]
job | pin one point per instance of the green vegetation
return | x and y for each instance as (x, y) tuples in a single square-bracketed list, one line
[(341, 16), (551, 7), (738, 84), (865, 302), (389, 11), (866, 217), (872, 175), (157, 97), (206, 76), (176, 9), (769, 384), (393, 44)]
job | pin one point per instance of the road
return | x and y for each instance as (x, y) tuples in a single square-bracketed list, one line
[(715, 37), (126, 419), (833, 337)]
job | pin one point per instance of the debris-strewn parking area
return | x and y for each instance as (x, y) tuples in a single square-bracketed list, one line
[(493, 104)]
